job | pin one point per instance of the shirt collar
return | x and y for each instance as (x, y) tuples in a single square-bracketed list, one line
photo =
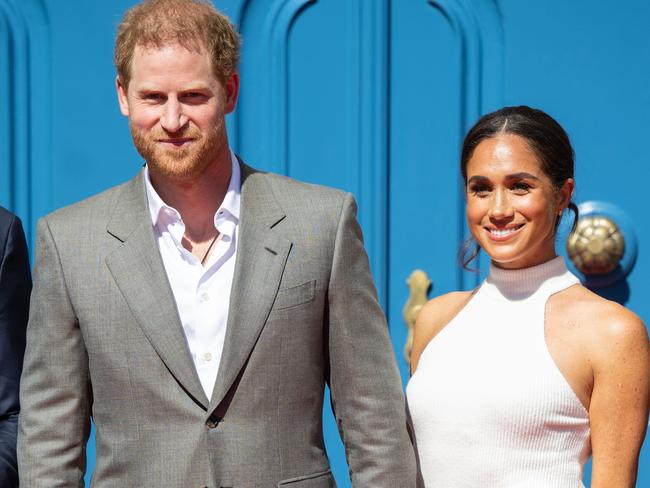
[(158, 209)]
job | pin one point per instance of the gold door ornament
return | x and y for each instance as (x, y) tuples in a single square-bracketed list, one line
[(419, 284), (597, 245)]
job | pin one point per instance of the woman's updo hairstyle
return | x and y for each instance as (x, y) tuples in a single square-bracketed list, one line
[(544, 135)]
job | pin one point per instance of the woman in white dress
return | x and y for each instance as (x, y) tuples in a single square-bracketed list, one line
[(515, 384)]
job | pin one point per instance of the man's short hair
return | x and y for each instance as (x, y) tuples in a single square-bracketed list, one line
[(194, 24)]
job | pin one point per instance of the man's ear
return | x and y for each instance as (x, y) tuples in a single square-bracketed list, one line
[(121, 97), (232, 92)]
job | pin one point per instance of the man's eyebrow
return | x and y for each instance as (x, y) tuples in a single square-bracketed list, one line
[(146, 89), (195, 88), (190, 88)]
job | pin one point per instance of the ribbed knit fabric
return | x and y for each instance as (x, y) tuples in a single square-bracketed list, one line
[(490, 408)]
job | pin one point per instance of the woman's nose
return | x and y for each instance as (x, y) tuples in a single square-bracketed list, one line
[(501, 207)]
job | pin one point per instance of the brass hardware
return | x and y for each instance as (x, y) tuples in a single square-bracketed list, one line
[(597, 245), (419, 284)]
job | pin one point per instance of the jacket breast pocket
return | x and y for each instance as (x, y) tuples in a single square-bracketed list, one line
[(323, 479), (295, 295)]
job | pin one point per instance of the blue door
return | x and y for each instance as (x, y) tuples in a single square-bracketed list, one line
[(371, 96)]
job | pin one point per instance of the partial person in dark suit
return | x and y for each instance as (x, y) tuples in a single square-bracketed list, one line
[(15, 286)]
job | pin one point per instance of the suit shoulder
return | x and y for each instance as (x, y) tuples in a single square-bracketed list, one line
[(6, 216), (6, 220), (95, 208), (295, 191)]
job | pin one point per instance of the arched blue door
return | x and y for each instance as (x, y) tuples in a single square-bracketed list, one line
[(371, 96)]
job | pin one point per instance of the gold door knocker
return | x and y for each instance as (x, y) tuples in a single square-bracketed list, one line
[(596, 246), (419, 284)]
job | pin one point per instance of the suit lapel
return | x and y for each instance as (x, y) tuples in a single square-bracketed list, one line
[(139, 273), (261, 257)]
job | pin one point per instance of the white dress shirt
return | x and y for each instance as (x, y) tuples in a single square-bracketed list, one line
[(202, 293)]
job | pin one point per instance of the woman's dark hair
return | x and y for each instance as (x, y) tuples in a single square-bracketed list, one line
[(544, 135)]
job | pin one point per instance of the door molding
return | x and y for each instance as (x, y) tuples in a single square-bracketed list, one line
[(25, 117)]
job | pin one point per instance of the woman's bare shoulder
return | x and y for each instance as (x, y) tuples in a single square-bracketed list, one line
[(608, 324), (433, 317), (439, 311)]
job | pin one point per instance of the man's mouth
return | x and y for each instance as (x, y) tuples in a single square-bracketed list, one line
[(501, 234), (176, 142)]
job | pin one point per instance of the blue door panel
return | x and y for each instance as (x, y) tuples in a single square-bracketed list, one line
[(426, 212)]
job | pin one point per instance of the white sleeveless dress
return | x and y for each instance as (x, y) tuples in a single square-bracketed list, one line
[(489, 406)]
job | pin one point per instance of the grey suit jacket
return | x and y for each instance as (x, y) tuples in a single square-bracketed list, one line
[(105, 339)]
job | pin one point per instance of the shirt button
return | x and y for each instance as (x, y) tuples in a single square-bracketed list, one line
[(207, 356), (204, 297)]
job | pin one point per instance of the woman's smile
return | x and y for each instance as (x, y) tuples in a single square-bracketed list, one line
[(501, 234)]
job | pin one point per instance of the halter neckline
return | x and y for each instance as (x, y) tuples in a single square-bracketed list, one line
[(543, 279)]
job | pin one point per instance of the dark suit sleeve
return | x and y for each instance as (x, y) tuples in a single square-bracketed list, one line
[(15, 286), (364, 380)]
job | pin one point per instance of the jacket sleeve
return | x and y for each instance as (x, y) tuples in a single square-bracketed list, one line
[(365, 385), (15, 286), (55, 389)]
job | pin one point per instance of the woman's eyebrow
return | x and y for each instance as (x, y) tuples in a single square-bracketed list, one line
[(521, 176), (479, 179)]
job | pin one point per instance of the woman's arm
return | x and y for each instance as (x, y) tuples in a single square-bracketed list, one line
[(620, 400)]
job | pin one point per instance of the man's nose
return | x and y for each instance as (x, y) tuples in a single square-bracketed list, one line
[(173, 119), (501, 207)]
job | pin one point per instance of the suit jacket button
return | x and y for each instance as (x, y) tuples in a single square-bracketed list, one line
[(212, 423)]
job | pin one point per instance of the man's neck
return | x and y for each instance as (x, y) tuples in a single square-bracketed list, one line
[(197, 200)]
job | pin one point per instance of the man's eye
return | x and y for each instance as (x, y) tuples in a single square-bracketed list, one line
[(153, 97), (193, 97)]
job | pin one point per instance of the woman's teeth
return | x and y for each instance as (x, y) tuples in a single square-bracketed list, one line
[(503, 232)]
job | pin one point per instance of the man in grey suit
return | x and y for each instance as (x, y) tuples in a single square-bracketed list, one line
[(197, 311)]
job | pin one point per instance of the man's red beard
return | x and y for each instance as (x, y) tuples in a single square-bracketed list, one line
[(186, 163)]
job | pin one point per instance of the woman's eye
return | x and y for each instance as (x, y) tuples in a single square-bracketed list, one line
[(479, 190), (521, 187)]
